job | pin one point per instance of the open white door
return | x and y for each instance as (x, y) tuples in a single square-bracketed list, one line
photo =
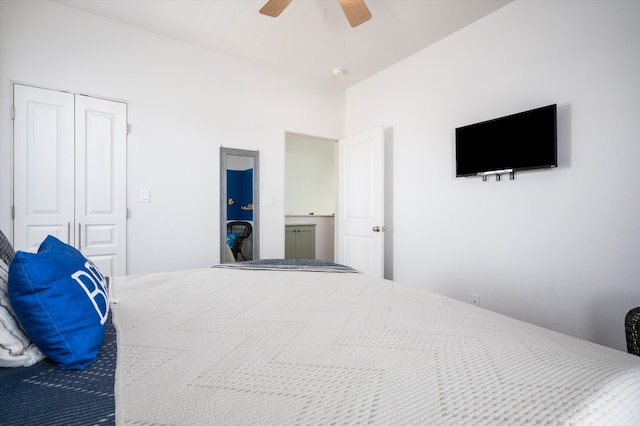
[(360, 213)]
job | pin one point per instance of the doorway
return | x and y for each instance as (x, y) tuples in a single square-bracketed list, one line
[(310, 196)]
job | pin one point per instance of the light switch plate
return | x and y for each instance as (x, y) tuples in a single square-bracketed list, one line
[(145, 196)]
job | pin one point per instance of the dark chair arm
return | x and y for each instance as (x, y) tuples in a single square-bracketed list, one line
[(6, 250), (631, 326)]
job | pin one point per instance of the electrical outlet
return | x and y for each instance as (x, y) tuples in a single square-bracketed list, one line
[(475, 299)]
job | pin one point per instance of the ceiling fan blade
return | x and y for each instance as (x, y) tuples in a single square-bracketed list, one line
[(356, 11), (274, 7)]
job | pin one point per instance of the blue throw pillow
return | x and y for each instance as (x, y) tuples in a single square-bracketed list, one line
[(61, 300)]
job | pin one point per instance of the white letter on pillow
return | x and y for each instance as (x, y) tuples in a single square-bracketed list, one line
[(99, 289)]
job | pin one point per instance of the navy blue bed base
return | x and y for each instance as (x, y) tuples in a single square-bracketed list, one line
[(45, 395)]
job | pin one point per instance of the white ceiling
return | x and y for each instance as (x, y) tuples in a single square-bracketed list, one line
[(310, 38)]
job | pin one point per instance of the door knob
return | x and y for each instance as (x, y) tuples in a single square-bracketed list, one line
[(376, 229)]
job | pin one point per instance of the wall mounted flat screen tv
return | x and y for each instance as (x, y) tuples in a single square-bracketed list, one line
[(522, 141)]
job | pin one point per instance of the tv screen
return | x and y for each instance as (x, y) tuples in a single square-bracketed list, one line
[(522, 141)]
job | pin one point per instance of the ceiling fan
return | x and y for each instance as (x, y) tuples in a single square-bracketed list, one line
[(356, 11)]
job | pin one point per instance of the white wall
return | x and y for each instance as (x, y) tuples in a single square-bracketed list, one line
[(560, 247), (310, 175), (184, 103)]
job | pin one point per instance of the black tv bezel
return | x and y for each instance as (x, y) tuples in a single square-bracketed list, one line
[(511, 117)]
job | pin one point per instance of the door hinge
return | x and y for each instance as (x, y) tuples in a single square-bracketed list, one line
[(13, 112), (13, 212), (128, 128), (128, 212)]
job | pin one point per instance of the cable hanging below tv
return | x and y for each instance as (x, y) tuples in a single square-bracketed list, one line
[(523, 141)]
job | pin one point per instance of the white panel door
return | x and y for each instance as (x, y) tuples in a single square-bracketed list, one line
[(70, 174), (360, 241), (101, 203), (43, 166)]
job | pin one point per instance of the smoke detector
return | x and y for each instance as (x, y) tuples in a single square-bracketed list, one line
[(338, 72)]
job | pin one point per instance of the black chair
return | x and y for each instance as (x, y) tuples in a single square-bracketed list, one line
[(6, 249), (632, 327), (243, 231)]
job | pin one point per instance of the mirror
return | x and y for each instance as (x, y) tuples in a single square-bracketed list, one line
[(239, 205)]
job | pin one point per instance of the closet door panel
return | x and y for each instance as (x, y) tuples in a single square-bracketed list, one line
[(43, 166), (101, 182)]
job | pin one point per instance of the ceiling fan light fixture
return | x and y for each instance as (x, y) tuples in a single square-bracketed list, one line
[(355, 10), (338, 72)]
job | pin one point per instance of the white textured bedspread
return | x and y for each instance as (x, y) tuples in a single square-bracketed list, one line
[(234, 347)]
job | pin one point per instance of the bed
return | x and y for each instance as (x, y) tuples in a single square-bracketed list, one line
[(276, 343)]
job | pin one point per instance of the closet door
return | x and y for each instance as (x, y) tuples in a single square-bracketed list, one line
[(70, 174), (100, 182), (43, 166)]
